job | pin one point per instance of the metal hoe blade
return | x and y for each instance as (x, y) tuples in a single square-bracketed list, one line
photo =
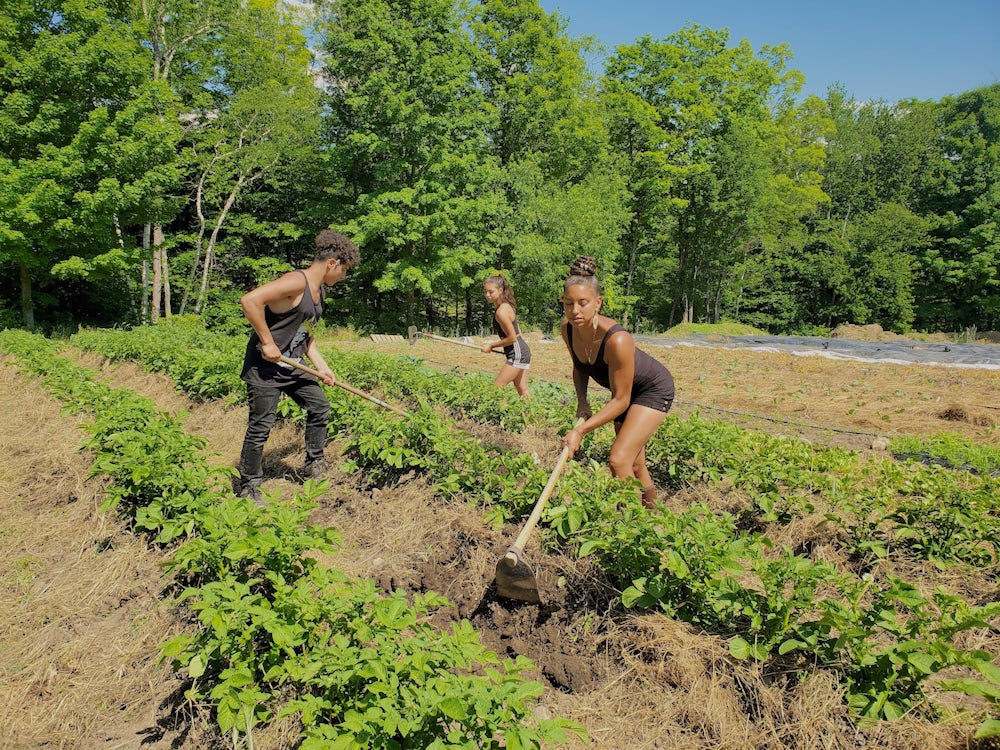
[(515, 579)]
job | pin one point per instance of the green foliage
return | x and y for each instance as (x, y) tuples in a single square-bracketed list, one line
[(83, 139), (963, 200), (413, 183), (725, 328), (950, 450), (358, 667), (383, 678), (208, 369), (885, 639)]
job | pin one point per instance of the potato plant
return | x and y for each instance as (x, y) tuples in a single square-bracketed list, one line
[(272, 620), (884, 640)]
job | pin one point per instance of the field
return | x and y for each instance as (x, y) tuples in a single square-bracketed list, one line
[(86, 607)]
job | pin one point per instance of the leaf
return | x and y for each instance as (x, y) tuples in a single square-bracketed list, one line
[(923, 662), (989, 728), (987, 669), (739, 648), (589, 546), (791, 645), (453, 708), (892, 711), (973, 687), (196, 667)]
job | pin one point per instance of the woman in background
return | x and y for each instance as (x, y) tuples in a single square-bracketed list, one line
[(498, 293)]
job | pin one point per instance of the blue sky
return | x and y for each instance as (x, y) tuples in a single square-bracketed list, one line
[(880, 49)]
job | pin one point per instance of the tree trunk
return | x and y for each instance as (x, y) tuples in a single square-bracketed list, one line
[(27, 302), (468, 308), (164, 267), (154, 313), (144, 313), (210, 250), (429, 312), (144, 309), (201, 235)]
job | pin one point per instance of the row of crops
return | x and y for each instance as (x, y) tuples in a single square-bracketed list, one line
[(886, 638), (275, 634)]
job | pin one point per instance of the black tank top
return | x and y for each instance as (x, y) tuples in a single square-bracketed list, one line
[(649, 373), (290, 331), (500, 333)]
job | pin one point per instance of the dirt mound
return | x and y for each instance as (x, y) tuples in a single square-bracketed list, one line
[(548, 634), (875, 332), (870, 332)]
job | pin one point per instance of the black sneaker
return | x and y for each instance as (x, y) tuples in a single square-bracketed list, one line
[(252, 492), (316, 469)]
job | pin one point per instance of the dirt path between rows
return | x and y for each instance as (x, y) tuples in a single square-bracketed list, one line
[(81, 613)]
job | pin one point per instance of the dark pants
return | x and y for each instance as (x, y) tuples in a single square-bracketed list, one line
[(263, 403)]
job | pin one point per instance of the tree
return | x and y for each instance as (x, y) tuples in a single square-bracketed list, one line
[(959, 274), (760, 290), (182, 36), (410, 178), (689, 114), (555, 225), (80, 136), (265, 113), (886, 243), (562, 194)]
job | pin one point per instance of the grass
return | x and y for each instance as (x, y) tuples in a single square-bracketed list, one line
[(716, 329)]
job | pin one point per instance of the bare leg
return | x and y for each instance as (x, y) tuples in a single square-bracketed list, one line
[(515, 375), (521, 383), (628, 452)]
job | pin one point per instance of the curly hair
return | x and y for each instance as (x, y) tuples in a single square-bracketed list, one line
[(330, 244), (583, 271), (506, 290)]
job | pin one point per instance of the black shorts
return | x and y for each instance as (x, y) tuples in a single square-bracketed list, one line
[(518, 354), (659, 398)]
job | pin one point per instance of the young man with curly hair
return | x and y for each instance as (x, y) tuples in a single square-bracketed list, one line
[(282, 313)]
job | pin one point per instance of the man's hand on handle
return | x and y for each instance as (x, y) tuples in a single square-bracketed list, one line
[(270, 352), (327, 376)]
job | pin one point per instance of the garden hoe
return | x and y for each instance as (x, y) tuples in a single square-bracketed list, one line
[(515, 579), (289, 362), (414, 333)]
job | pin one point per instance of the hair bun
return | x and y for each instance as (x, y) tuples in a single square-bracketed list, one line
[(584, 265)]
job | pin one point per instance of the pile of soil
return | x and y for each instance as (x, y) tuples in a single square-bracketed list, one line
[(875, 332)]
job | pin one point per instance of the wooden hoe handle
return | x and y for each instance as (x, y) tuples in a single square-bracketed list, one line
[(349, 388), (536, 512)]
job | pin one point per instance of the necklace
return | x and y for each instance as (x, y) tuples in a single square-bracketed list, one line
[(589, 349)]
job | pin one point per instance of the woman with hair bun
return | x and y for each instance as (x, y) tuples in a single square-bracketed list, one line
[(642, 389), (499, 293)]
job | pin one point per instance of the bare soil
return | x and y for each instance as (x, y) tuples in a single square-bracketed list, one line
[(633, 681)]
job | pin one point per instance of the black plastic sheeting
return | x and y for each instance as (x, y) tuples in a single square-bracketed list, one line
[(985, 356)]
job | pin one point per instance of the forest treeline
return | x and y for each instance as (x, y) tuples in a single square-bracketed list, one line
[(160, 157)]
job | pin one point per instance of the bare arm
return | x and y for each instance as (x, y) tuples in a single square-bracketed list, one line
[(620, 356), (505, 317), (313, 353), (580, 383), (280, 295)]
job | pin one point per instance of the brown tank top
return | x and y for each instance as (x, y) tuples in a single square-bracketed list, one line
[(649, 373)]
